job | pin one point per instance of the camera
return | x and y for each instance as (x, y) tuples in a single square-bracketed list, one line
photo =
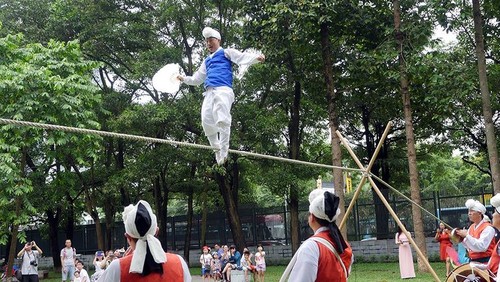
[(33, 262)]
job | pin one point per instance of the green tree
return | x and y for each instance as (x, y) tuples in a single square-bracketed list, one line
[(43, 84)]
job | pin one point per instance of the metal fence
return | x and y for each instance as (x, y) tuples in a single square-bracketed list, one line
[(271, 226)]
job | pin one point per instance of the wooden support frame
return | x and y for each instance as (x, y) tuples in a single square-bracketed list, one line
[(367, 176)]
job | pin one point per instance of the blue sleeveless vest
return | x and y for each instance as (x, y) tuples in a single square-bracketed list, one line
[(219, 70)]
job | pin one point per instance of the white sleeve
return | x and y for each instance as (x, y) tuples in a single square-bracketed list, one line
[(482, 243), (198, 77), (306, 267), (112, 272), (185, 270), (241, 58)]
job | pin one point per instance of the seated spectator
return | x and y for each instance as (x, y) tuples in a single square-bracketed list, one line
[(234, 262), (84, 276)]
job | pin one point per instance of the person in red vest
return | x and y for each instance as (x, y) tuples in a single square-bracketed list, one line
[(495, 256), (325, 256), (479, 238), (145, 260)]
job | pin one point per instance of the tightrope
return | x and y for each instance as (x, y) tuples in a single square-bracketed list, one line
[(164, 141)]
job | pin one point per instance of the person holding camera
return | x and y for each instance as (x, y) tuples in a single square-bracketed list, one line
[(29, 266)]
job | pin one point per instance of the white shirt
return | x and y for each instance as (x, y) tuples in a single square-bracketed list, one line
[(112, 273), (482, 243), (68, 256), (84, 276), (26, 267), (233, 55), (306, 268), (260, 258)]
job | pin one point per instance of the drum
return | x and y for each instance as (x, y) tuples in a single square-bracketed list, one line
[(469, 272)]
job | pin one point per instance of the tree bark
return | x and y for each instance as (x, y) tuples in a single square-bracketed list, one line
[(53, 222), (489, 126), (410, 139), (381, 212), (189, 226), (294, 153), (333, 118), (228, 188)]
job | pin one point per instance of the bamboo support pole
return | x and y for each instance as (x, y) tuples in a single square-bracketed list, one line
[(389, 208), (365, 174)]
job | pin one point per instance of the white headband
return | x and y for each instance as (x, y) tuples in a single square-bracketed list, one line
[(495, 202), (475, 205), (210, 32), (140, 223), (317, 205)]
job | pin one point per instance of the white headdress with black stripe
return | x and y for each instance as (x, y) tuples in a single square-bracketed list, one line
[(140, 223)]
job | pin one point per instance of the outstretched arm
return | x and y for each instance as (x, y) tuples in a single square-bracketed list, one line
[(243, 58), (197, 78)]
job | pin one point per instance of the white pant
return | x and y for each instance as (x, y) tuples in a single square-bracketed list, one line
[(216, 115)]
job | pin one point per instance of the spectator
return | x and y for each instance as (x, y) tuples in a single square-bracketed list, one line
[(246, 265), (406, 267), (206, 263), (68, 261), (98, 259), (224, 260), (234, 262), (84, 276), (146, 261), (29, 266), (216, 267), (260, 263)]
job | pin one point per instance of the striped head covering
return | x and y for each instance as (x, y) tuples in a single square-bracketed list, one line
[(140, 223)]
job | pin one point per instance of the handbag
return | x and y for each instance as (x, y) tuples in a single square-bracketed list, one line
[(19, 275)]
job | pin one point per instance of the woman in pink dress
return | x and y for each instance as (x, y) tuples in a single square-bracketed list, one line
[(406, 267)]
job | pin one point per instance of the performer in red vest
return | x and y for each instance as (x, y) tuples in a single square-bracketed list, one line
[(479, 238), (325, 256), (495, 256), (145, 260)]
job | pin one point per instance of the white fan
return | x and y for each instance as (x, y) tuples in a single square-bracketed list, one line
[(165, 80)]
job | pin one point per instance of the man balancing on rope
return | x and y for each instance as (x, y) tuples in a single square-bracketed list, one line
[(217, 74)]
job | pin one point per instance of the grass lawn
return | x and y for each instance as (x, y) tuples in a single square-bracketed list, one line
[(364, 272), (361, 272)]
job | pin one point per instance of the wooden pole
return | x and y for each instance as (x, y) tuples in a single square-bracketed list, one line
[(389, 208), (368, 169)]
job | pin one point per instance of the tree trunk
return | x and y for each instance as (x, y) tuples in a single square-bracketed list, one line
[(53, 222), (294, 152), (15, 227), (89, 205), (381, 212), (489, 126), (160, 192), (204, 214), (229, 191), (293, 206), (13, 241), (70, 224), (189, 226), (109, 219), (333, 117), (410, 140)]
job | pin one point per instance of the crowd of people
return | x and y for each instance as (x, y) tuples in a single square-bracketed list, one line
[(217, 263)]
